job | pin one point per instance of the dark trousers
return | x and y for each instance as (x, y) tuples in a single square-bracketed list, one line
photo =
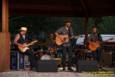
[(32, 58), (66, 56), (98, 54)]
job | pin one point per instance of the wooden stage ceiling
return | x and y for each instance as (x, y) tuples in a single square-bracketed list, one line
[(79, 8)]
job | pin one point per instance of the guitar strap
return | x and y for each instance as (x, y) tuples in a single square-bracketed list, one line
[(99, 37), (23, 39), (69, 32)]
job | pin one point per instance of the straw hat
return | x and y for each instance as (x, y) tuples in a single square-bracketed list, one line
[(23, 28)]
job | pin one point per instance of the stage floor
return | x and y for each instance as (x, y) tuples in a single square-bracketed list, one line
[(57, 74)]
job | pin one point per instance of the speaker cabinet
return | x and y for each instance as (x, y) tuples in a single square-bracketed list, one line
[(84, 65), (47, 66)]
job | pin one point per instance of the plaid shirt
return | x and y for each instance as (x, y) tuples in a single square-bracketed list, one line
[(95, 37), (64, 31)]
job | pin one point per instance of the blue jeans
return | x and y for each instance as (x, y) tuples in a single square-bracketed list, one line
[(95, 54)]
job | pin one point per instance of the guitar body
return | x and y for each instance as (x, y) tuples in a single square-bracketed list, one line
[(93, 46), (24, 47), (60, 39)]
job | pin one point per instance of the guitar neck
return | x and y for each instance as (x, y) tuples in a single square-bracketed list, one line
[(31, 43)]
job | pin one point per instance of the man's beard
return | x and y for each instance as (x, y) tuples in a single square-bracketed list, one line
[(68, 26)]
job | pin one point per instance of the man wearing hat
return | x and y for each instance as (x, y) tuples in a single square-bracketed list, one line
[(64, 33), (20, 39)]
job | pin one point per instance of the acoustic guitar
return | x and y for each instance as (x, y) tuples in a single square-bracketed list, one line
[(24, 47), (61, 39), (94, 45)]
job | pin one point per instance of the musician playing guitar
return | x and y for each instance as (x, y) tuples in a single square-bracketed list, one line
[(63, 36), (94, 43), (20, 41)]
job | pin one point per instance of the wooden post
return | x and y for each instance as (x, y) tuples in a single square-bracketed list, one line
[(85, 20), (5, 39), (85, 29), (86, 25), (5, 16)]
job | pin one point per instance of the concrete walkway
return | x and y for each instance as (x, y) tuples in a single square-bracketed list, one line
[(56, 74)]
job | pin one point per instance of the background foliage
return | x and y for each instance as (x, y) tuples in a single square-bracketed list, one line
[(37, 24)]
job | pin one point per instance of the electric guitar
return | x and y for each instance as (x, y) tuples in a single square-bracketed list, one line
[(24, 47)]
